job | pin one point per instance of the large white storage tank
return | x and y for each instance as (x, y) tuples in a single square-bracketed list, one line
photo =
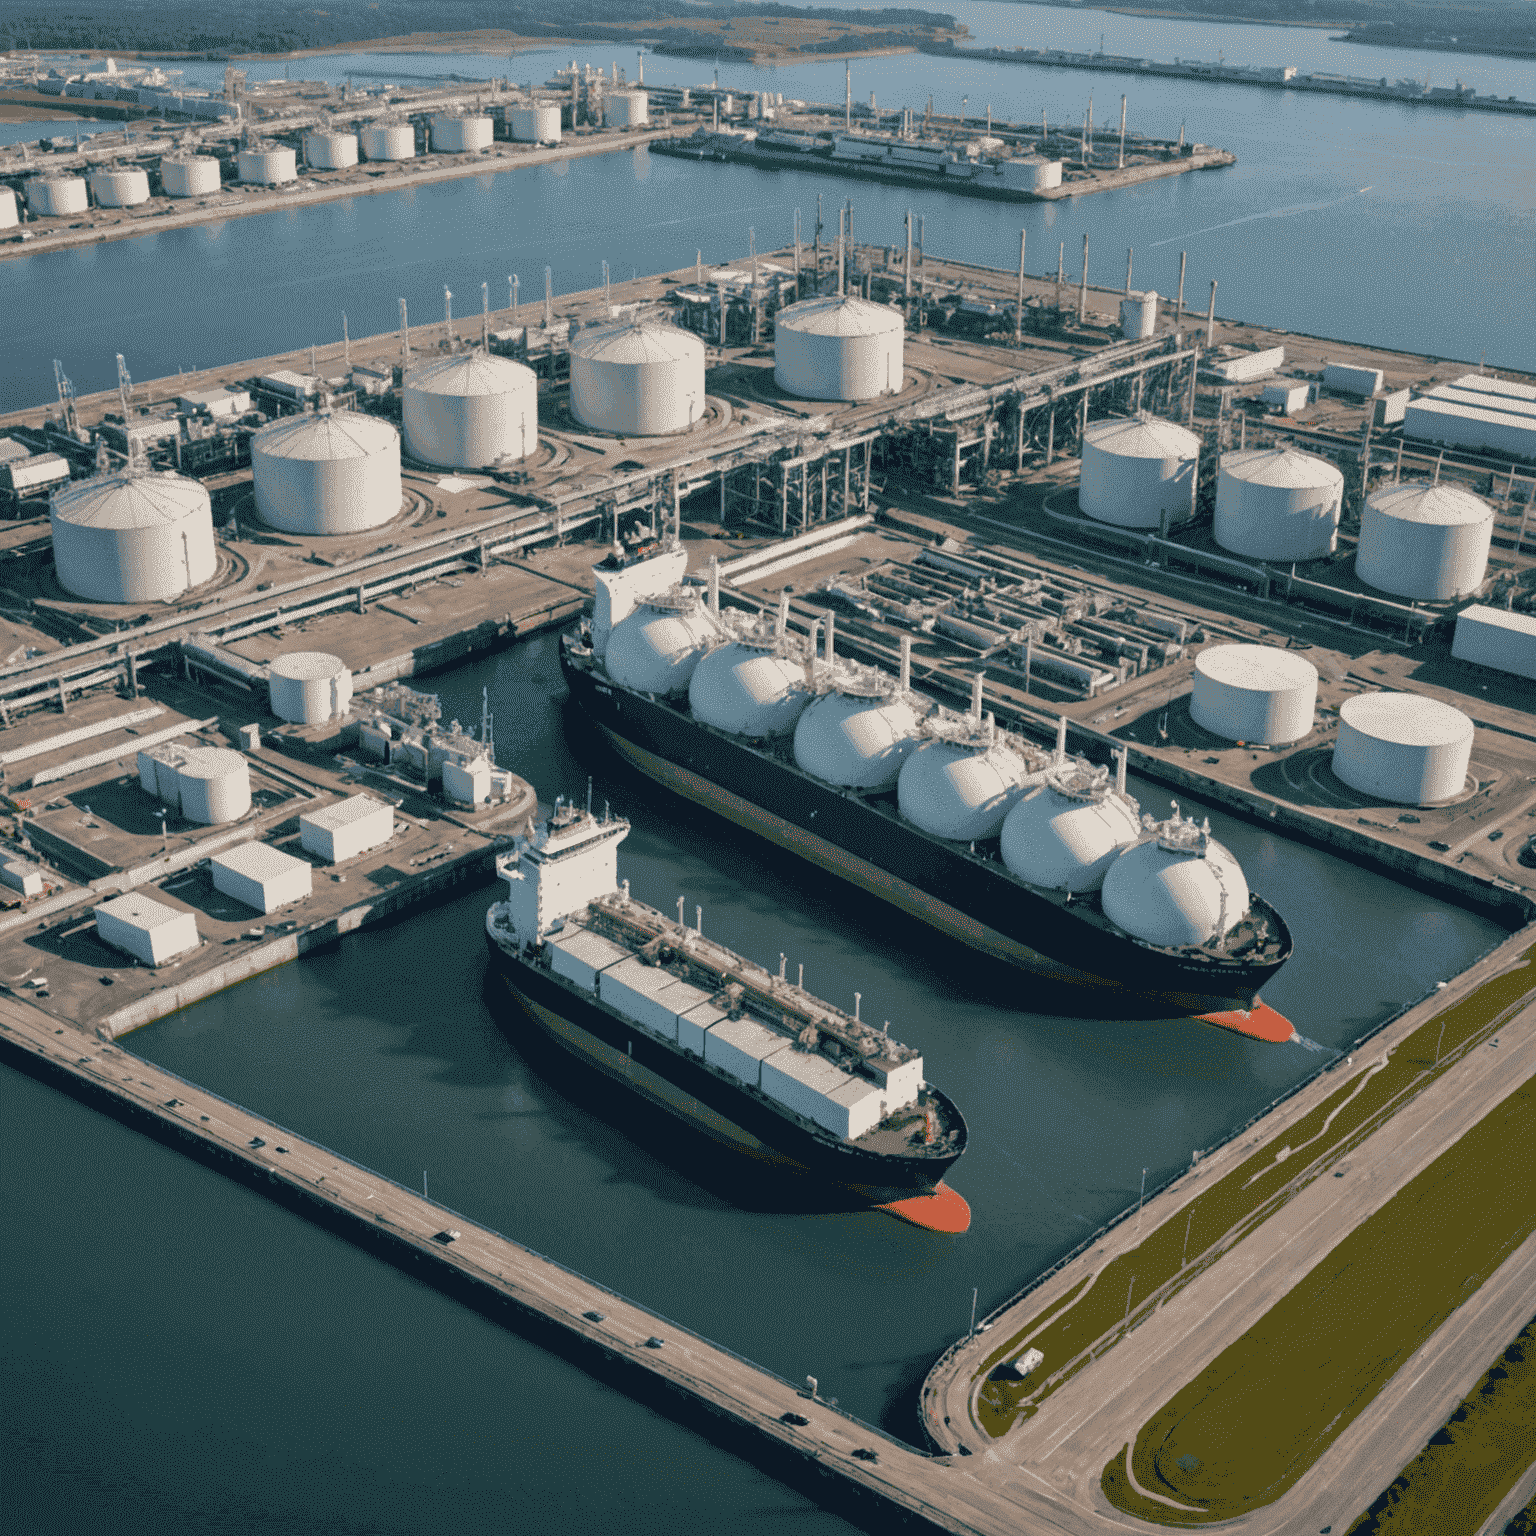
[(962, 791), (8, 216), (132, 537), (834, 348), (1180, 887), (309, 687), (1065, 833), (640, 379), (267, 165), (1422, 541), (329, 151), (1137, 470), (389, 141), (189, 175), (120, 186), (748, 690), (856, 737), (535, 125), (455, 135), (334, 472), (54, 196), (626, 109), (215, 785), (1253, 693), (467, 410), (656, 649), (1403, 747), (1278, 504)]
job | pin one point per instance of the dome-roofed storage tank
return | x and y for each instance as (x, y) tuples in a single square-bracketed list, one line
[(332, 472), (215, 785), (267, 164), (1180, 887), (626, 109), (961, 790), (656, 649), (1403, 747), (749, 688), (858, 736), (833, 348), (189, 175), (469, 409), (1278, 504), (453, 134), (1065, 833), (8, 215), (538, 124), (327, 150), (641, 378), (1422, 541), (1136, 470), (308, 687), (52, 196), (1253, 693), (119, 186), (389, 141), (132, 537)]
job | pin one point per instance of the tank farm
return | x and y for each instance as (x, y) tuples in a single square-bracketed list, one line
[(916, 570)]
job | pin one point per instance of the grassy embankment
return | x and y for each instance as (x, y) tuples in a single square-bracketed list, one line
[(1193, 1238), (1257, 1417)]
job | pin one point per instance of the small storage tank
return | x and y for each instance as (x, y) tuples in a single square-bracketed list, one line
[(1179, 887), (626, 109), (1253, 693), (189, 176), (119, 186), (8, 215), (333, 472), (748, 690), (1278, 504), (1403, 747), (962, 791), (1066, 833), (637, 379), (834, 348), (453, 135), (330, 151), (855, 738), (1422, 541), (308, 687), (1136, 470), (1138, 315), (389, 141), (54, 196), (656, 649), (215, 784), (267, 165), (469, 409), (535, 125), (132, 537)]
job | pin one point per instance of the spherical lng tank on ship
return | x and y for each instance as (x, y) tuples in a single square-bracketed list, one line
[(389, 141), (8, 216), (834, 348), (1253, 693), (52, 196), (214, 785), (132, 538), (453, 135), (189, 175), (308, 687), (1137, 469), (1403, 747), (1422, 541), (1180, 887), (626, 109), (748, 690), (333, 472), (119, 186), (1278, 504), (267, 165), (535, 125), (960, 791), (641, 379), (1066, 833), (467, 410), (658, 646), (330, 151), (857, 740)]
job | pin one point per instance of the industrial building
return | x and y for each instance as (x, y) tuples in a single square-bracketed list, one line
[(1497, 638), (147, 929), (342, 831), (264, 878), (1403, 748)]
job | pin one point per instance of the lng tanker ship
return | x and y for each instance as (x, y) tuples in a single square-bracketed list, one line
[(1029, 856), (747, 1057)]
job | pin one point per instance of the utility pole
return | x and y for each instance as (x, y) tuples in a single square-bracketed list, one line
[(405, 340), (1210, 319), (1121, 165), (1178, 319), (907, 278), (1082, 292), (1130, 254), (1018, 314)]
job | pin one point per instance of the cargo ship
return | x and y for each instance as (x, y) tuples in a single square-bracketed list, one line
[(1027, 855), (749, 1058)]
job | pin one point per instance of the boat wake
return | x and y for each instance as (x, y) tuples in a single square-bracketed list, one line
[(1268, 213), (1297, 1038)]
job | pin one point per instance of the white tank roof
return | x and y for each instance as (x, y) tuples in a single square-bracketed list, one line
[(1281, 467), (834, 316), (129, 501), (1142, 438), (1066, 833), (1446, 506), (1178, 888), (1406, 719), (960, 791), (306, 666), (856, 741), (748, 690), (637, 342), (1262, 668), (326, 436), (469, 373)]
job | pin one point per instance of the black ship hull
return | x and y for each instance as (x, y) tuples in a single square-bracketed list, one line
[(969, 896)]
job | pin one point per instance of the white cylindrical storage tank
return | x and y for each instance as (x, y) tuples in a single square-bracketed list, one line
[(389, 141), (626, 109), (1180, 887), (857, 740), (641, 379), (461, 135), (330, 151), (656, 649), (838, 349), (132, 538), (215, 785), (960, 791), (1403, 747), (1422, 541), (467, 410), (268, 165), (53, 196), (308, 687), (1137, 470), (1253, 693), (334, 472), (748, 690), (535, 125), (1138, 315), (8, 215), (1278, 504), (1066, 833), (189, 176), (119, 186)]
